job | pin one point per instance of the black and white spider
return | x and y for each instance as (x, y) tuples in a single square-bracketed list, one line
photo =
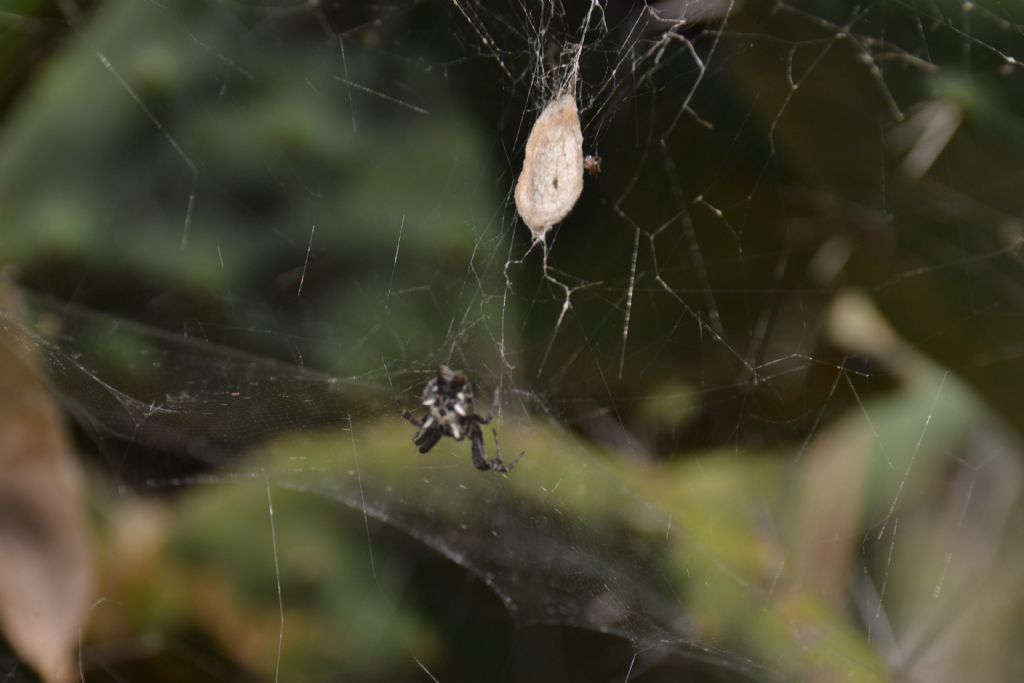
[(448, 398)]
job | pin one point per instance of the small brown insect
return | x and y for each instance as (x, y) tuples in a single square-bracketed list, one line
[(592, 164)]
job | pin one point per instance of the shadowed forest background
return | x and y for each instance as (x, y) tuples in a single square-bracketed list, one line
[(765, 374)]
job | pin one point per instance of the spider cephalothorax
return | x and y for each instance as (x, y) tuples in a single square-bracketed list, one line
[(448, 399)]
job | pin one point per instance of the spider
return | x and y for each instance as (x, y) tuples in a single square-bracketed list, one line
[(448, 398), (592, 164)]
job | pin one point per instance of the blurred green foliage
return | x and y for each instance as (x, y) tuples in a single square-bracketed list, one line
[(198, 159), (724, 551)]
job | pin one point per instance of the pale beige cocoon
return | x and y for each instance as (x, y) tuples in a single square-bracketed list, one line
[(552, 177)]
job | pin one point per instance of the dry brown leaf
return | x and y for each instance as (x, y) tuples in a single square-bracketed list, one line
[(46, 570), (837, 465)]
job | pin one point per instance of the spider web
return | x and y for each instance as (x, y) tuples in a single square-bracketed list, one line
[(314, 203)]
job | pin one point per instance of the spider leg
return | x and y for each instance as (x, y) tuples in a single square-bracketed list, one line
[(428, 439), (497, 463), (417, 423), (477, 450), (490, 414), (482, 463)]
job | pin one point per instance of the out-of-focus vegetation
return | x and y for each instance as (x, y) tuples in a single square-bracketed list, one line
[(799, 461)]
